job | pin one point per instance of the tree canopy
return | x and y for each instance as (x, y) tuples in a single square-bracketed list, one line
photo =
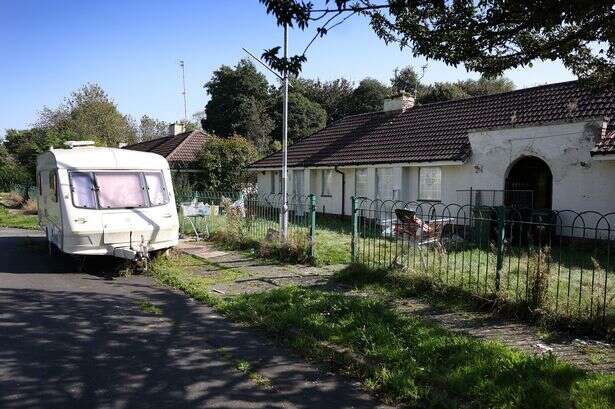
[(488, 36), (333, 96), (406, 80), (224, 162), (88, 113), (368, 96), (238, 104), (151, 128), (304, 117)]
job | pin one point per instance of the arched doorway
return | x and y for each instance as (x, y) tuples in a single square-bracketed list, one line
[(529, 174)]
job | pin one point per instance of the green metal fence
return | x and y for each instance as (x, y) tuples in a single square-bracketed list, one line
[(556, 261), (253, 217)]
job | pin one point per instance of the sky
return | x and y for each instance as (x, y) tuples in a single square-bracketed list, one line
[(132, 49)]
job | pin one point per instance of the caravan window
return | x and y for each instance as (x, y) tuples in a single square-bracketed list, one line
[(156, 189), (53, 186), (82, 187), (120, 190)]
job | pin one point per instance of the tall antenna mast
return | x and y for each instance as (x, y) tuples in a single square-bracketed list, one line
[(181, 64)]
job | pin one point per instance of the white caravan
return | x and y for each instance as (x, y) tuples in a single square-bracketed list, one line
[(106, 201)]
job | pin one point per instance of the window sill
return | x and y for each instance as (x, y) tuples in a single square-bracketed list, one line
[(326, 195)]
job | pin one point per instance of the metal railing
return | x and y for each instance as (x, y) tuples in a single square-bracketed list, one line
[(254, 218), (557, 261)]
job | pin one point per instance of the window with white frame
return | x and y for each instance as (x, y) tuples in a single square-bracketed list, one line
[(384, 183), (430, 183), (360, 182), (326, 182)]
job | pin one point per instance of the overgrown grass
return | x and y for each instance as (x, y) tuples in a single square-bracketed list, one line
[(150, 308), (178, 271), (404, 359), (331, 247), (395, 283), (576, 284), (18, 220), (416, 363)]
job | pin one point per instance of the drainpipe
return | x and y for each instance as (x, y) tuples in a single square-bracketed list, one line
[(343, 190)]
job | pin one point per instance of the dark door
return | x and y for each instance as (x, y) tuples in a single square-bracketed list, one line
[(530, 174)]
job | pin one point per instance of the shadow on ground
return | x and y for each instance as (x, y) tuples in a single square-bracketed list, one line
[(78, 340)]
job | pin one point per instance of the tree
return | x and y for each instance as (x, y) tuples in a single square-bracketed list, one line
[(24, 146), (257, 123), (440, 91), (89, 114), (151, 128), (224, 162), (487, 86), (304, 117), (368, 96), (334, 96), (10, 172), (446, 91), (488, 36), (406, 80), (238, 97)]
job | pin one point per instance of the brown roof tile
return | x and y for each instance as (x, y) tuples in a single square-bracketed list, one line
[(439, 131), (179, 149)]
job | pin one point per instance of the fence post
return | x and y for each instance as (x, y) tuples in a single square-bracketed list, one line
[(500, 246), (354, 221), (312, 225)]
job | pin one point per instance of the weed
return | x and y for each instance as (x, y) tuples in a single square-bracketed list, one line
[(260, 380), (414, 362), (242, 365), (150, 308), (29, 207), (539, 272), (410, 361)]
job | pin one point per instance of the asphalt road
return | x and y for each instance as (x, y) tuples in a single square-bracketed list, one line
[(82, 340)]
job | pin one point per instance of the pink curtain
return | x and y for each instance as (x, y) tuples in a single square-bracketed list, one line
[(117, 190)]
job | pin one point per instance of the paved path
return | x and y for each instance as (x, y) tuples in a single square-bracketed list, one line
[(80, 340), (585, 353)]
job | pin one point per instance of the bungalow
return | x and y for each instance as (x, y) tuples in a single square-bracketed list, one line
[(551, 146), (179, 148)]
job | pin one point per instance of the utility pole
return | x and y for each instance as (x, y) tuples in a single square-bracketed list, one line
[(181, 64), (284, 210), (284, 78)]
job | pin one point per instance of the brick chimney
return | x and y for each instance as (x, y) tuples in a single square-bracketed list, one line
[(399, 102), (176, 128)]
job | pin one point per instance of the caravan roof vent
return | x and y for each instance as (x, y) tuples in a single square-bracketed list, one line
[(78, 144)]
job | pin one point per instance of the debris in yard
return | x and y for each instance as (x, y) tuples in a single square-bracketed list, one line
[(544, 348), (218, 291)]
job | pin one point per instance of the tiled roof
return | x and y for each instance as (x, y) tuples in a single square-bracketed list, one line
[(606, 145), (439, 131), (179, 149)]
